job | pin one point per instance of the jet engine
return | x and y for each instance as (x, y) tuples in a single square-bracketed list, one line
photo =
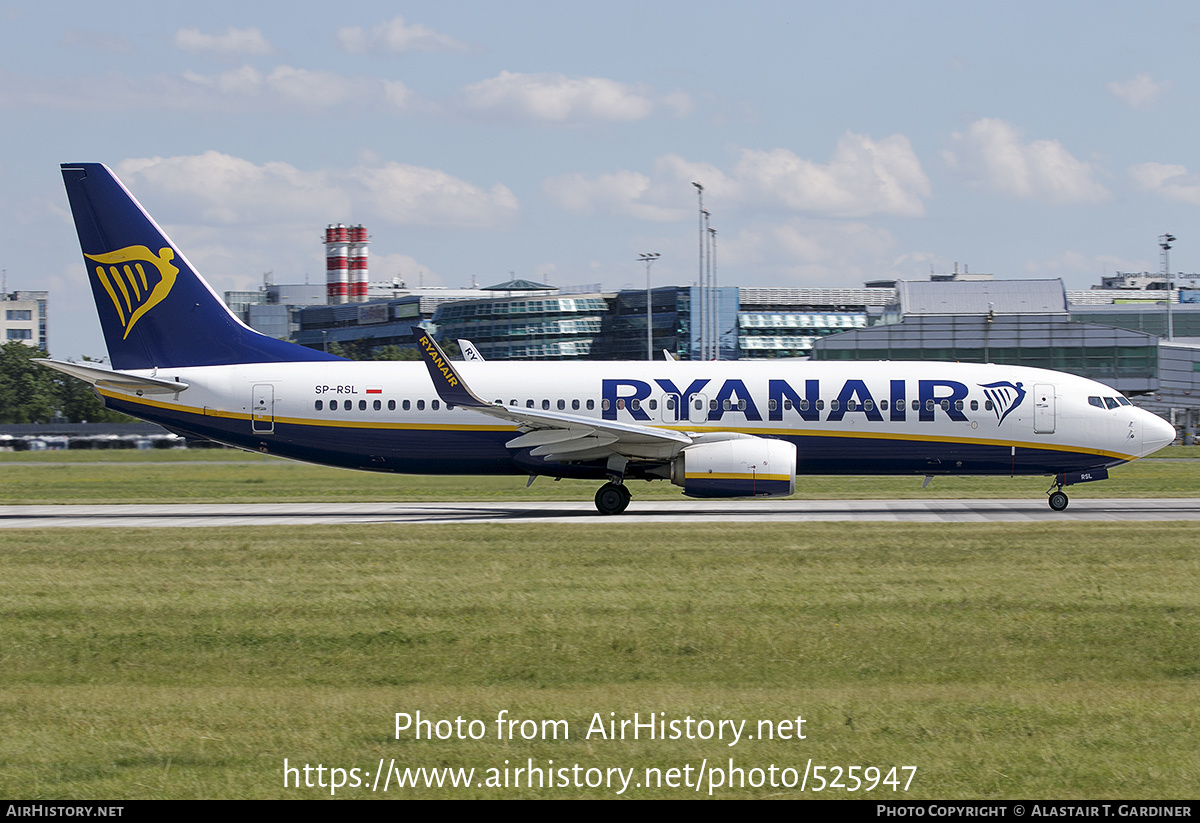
[(736, 466)]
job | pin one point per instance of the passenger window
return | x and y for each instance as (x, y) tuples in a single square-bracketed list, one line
[(699, 405), (545, 405), (821, 405), (562, 404), (726, 405), (869, 405), (916, 405), (787, 404), (513, 402), (378, 405), (671, 403), (591, 404), (1111, 402), (635, 404), (574, 405), (1096, 401), (803, 404), (928, 405), (320, 405), (407, 405), (529, 404), (958, 406), (974, 405), (434, 405), (653, 405), (987, 405), (772, 405), (834, 405), (851, 405), (333, 405), (391, 405), (603, 404), (362, 405), (420, 405), (620, 402), (883, 405), (712, 405)]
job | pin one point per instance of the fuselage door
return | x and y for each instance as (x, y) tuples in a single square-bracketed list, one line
[(697, 408), (1043, 408), (262, 412)]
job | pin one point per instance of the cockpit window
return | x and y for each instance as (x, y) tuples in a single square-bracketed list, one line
[(1123, 401), (1096, 401), (1111, 402)]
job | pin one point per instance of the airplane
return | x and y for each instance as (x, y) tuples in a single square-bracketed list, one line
[(181, 359)]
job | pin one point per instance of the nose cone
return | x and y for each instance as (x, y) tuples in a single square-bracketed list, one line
[(1156, 433)]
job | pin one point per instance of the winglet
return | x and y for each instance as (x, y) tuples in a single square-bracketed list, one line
[(450, 386)]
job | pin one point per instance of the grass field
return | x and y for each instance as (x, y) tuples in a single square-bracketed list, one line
[(215, 476), (1048, 661)]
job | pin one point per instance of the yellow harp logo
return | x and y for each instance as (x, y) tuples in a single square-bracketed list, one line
[(132, 292)]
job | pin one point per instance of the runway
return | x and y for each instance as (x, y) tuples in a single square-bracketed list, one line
[(1032, 510)]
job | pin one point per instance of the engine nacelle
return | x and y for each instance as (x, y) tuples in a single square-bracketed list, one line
[(736, 467)]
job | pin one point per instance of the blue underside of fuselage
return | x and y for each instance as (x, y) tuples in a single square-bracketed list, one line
[(450, 451)]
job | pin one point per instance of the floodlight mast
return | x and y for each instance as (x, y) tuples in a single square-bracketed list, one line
[(1164, 242), (648, 258), (700, 319)]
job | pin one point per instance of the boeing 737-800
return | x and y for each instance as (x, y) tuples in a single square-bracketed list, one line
[(180, 358)]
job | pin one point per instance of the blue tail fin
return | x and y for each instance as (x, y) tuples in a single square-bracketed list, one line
[(154, 308)]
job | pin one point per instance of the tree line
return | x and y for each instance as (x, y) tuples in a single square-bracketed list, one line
[(31, 393)]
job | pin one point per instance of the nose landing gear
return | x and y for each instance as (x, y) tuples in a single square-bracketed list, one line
[(1058, 499)]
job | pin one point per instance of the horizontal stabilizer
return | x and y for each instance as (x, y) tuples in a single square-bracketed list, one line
[(109, 379)]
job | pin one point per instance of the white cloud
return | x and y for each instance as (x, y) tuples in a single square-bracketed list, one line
[(396, 36), (622, 192), (415, 195), (557, 98), (804, 252), (994, 153), (230, 43), (1139, 93), (317, 89), (863, 177), (293, 88), (218, 189), (1170, 181)]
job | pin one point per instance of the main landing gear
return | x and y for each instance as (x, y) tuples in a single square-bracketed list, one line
[(613, 498)]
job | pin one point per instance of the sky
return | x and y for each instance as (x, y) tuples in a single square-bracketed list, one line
[(556, 141)]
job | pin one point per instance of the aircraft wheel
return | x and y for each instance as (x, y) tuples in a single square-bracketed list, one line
[(612, 499), (1058, 501)]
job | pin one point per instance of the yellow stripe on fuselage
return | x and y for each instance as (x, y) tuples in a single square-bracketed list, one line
[(759, 432)]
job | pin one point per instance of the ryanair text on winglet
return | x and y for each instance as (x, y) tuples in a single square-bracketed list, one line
[(438, 361)]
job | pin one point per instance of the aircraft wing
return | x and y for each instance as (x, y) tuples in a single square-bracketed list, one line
[(109, 379), (554, 436)]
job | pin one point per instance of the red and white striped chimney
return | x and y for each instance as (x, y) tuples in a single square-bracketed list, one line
[(358, 264), (337, 264)]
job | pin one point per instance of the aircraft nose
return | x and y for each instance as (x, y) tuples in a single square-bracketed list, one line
[(1156, 433)]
